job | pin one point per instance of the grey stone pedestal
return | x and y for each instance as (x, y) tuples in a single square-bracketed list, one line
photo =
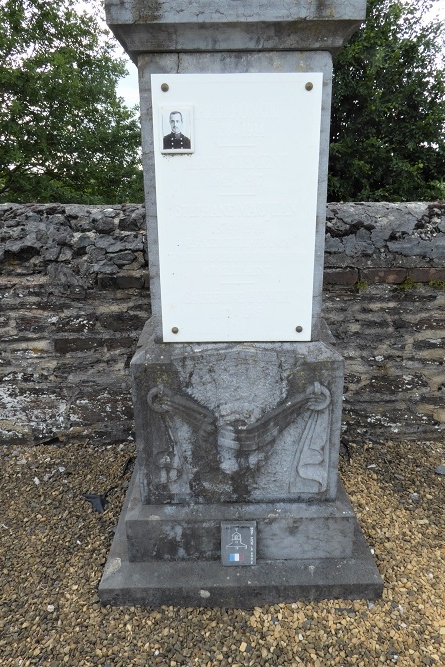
[(237, 433), (344, 568), (233, 433), (236, 422)]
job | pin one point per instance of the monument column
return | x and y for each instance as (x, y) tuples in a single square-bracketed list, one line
[(237, 390)]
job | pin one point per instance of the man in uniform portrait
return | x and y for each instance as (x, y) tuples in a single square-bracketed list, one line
[(176, 141)]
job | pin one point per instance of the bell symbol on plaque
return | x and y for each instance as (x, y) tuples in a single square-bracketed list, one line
[(236, 541)]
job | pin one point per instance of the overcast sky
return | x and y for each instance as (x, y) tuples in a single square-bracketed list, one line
[(128, 88)]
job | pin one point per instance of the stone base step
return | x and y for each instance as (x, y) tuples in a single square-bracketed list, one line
[(204, 583)]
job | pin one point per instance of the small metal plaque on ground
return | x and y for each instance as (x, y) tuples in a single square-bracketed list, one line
[(238, 543)]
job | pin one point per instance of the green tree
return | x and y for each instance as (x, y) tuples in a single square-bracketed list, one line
[(64, 134), (388, 118)]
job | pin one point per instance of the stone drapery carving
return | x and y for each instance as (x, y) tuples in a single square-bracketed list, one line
[(236, 446)]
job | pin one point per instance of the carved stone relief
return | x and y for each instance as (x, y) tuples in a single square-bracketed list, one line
[(199, 453)]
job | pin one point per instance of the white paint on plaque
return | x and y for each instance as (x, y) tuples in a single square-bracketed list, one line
[(236, 218)]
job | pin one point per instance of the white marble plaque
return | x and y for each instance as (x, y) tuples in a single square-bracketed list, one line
[(237, 205)]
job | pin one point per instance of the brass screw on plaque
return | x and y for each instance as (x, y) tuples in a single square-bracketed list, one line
[(309, 85), (164, 87), (298, 329), (175, 330)]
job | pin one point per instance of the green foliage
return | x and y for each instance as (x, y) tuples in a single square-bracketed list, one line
[(64, 134), (360, 285), (407, 284), (388, 120)]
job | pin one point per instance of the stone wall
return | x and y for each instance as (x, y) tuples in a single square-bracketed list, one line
[(384, 301), (74, 297)]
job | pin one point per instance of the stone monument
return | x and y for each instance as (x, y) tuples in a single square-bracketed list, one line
[(237, 389)]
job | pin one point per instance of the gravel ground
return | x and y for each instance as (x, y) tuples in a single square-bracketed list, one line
[(53, 549)]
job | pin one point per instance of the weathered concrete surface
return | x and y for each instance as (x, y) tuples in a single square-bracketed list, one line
[(285, 530), (211, 584), (220, 422), (209, 25)]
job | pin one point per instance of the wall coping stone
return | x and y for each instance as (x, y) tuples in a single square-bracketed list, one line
[(106, 245)]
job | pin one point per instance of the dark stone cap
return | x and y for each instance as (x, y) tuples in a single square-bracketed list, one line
[(168, 26)]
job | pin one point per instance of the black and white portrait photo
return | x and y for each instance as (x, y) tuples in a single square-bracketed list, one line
[(177, 130)]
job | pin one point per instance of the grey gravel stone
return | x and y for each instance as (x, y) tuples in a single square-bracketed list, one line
[(41, 521)]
